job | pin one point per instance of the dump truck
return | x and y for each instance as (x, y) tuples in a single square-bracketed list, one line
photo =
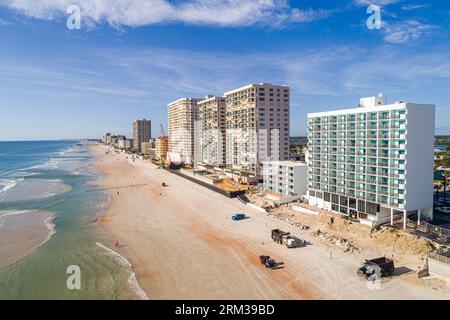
[(376, 268), (285, 238)]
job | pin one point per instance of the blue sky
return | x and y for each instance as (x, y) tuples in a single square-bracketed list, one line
[(131, 57)]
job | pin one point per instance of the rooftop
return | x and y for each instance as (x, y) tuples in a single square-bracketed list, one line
[(287, 163)]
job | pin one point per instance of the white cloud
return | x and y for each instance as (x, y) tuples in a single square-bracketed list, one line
[(135, 13), (405, 31), (380, 3), (411, 7)]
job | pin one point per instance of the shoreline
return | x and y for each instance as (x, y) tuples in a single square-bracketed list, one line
[(100, 215), (23, 233), (182, 244)]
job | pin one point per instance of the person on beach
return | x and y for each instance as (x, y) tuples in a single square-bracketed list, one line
[(117, 243)]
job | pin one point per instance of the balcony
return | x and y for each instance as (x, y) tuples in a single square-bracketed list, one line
[(401, 126)]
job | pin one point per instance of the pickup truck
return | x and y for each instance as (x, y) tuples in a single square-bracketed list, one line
[(381, 267), (238, 216)]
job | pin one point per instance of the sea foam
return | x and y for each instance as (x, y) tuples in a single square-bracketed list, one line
[(123, 262)]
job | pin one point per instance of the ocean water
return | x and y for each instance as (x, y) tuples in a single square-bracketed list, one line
[(53, 176)]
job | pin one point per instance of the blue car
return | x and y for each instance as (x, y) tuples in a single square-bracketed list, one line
[(238, 216)]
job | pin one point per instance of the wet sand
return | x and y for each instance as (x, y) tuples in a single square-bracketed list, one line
[(21, 233)]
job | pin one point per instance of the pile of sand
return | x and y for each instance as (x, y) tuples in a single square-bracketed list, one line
[(402, 241)]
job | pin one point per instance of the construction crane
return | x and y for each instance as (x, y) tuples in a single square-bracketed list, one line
[(162, 132)]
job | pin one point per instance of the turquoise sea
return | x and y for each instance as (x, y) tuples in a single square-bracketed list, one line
[(53, 176)]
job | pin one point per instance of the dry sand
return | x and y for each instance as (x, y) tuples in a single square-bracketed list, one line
[(183, 244), (21, 233)]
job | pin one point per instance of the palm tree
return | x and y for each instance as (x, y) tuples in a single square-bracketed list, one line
[(436, 188)]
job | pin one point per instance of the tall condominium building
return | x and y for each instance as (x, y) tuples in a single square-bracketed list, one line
[(106, 138), (114, 140), (142, 132), (182, 117), (162, 147), (211, 130), (257, 126), (373, 163)]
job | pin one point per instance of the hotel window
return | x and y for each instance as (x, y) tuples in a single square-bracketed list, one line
[(372, 208), (335, 199)]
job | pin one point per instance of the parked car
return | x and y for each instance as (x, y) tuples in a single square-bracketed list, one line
[(238, 216)]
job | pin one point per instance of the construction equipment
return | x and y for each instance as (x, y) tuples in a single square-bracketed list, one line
[(162, 132), (376, 268), (285, 238), (264, 259), (271, 264), (238, 216)]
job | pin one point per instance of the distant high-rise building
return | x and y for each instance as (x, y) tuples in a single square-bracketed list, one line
[(182, 115), (114, 140), (107, 138), (142, 132), (373, 163), (148, 148), (257, 126), (211, 130), (121, 142), (162, 147)]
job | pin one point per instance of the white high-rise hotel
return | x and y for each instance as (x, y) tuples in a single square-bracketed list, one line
[(373, 163)]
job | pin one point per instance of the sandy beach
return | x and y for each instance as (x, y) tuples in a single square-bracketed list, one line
[(21, 233), (182, 244)]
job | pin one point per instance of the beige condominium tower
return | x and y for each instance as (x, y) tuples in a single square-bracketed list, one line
[(210, 131), (142, 132), (257, 126), (182, 115)]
